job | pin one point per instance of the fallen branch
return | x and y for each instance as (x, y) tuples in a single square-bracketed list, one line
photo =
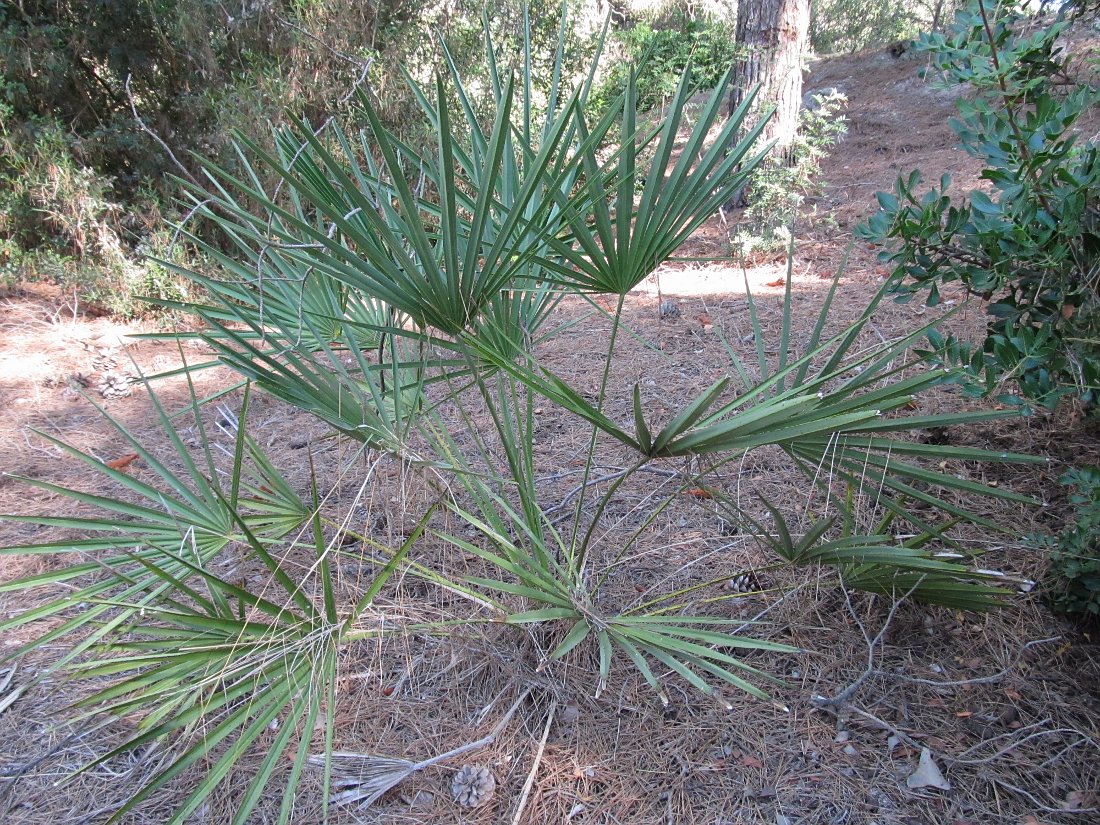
[(845, 695), (148, 130)]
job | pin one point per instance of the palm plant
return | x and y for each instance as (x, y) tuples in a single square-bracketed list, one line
[(164, 611), (396, 294), (513, 217)]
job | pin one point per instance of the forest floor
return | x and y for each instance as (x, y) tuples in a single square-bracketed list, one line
[(1006, 703)]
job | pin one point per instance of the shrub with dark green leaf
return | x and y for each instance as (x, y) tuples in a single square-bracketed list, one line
[(1028, 241), (662, 53), (1073, 580)]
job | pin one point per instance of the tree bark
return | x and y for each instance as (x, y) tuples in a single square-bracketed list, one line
[(775, 35)]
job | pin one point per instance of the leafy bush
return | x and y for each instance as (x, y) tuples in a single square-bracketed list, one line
[(780, 186), (1073, 579), (661, 54), (62, 222), (1028, 243), (72, 75), (852, 25), (399, 316)]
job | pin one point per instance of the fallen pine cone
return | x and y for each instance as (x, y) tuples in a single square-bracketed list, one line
[(116, 385), (747, 582), (473, 786), (106, 358)]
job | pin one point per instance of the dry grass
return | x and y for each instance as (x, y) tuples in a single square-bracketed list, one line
[(1007, 702)]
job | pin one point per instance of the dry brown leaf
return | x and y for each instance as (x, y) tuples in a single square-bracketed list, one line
[(705, 320), (777, 282), (699, 492), (1074, 801), (122, 463), (927, 774)]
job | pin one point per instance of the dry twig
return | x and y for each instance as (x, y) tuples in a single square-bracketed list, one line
[(535, 765)]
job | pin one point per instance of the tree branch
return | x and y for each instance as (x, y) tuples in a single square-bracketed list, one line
[(145, 128)]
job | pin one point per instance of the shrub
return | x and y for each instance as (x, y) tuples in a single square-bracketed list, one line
[(1028, 243), (780, 186), (660, 52), (852, 25), (1073, 579), (62, 222)]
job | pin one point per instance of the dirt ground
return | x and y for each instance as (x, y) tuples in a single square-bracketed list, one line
[(1007, 704)]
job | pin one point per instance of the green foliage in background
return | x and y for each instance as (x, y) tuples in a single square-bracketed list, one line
[(1073, 579), (853, 25), (83, 184), (661, 50), (780, 186), (1029, 241)]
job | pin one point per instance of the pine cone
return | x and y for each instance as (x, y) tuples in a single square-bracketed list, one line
[(116, 385), (473, 786), (747, 582), (105, 358)]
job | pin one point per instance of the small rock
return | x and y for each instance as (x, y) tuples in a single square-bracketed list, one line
[(850, 750), (669, 309), (842, 737)]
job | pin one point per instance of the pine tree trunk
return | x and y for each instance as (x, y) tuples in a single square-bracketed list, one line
[(775, 35)]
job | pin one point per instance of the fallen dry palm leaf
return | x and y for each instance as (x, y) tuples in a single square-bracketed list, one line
[(363, 778), (8, 698)]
